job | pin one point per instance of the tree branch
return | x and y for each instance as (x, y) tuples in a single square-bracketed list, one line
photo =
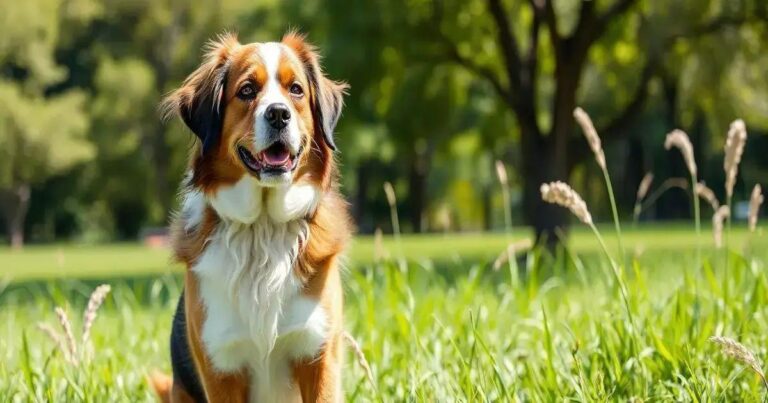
[(520, 76), (483, 72), (591, 26), (509, 49), (586, 19), (453, 55), (601, 23), (533, 45), (529, 74), (617, 127), (546, 10), (618, 8), (714, 25), (620, 124)]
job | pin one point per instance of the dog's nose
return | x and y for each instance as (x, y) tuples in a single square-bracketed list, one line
[(278, 115)]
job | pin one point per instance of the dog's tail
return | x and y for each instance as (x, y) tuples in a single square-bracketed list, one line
[(162, 384)]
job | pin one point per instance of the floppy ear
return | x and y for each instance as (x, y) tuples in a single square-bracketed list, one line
[(200, 100), (326, 95), (327, 104)]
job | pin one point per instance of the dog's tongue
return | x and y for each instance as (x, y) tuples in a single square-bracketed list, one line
[(276, 155)]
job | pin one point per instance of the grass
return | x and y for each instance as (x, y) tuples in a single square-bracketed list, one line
[(37, 262), (448, 328)]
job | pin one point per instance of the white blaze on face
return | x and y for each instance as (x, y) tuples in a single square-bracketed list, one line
[(270, 54), (276, 196)]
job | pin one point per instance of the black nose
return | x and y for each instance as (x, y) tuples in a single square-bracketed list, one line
[(278, 115)]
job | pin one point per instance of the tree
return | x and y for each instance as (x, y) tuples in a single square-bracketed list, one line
[(571, 31), (422, 114), (136, 52), (41, 133)]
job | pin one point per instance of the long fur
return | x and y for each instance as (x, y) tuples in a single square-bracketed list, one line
[(263, 302)]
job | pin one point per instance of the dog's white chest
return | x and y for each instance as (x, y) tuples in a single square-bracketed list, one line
[(256, 317)]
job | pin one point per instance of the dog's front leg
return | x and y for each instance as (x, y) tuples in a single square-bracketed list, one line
[(219, 387), (319, 378), (229, 388)]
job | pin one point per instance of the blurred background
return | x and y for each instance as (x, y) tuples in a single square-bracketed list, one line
[(440, 90)]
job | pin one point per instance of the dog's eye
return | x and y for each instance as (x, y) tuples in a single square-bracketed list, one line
[(247, 91), (296, 90)]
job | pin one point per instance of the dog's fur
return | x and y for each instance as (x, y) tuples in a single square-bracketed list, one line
[(260, 318)]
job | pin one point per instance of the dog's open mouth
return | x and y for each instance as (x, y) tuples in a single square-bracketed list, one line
[(276, 159)]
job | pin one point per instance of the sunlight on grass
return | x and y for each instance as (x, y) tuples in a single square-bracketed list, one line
[(123, 260), (445, 330)]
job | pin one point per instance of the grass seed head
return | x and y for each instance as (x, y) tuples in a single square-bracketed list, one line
[(680, 183), (734, 148), (591, 134), (510, 251), (717, 224), (89, 315), (678, 139), (707, 194), (561, 194), (57, 340), (754, 206), (379, 251), (501, 173), (389, 191), (361, 360), (740, 353), (66, 325), (645, 186)]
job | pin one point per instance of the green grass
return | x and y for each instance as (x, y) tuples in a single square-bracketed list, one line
[(131, 259), (447, 329)]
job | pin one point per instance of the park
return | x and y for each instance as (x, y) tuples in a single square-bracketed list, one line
[(550, 200)]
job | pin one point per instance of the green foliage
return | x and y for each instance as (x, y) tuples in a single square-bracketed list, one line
[(40, 136), (40, 133), (448, 331), (80, 82)]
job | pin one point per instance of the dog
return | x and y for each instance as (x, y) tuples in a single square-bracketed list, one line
[(261, 229)]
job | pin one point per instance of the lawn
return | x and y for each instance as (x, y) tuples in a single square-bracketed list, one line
[(445, 328), (38, 262)]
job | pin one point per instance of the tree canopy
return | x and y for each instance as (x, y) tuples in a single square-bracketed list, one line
[(440, 90)]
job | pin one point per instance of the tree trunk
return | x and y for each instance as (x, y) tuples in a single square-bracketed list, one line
[(546, 159), (541, 165), (417, 192), (361, 194), (676, 204), (16, 205), (634, 171)]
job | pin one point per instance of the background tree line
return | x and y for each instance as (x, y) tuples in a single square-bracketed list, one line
[(440, 90)]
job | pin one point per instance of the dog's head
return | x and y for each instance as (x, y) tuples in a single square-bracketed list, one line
[(261, 111)]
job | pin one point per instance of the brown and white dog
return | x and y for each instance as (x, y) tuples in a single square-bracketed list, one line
[(260, 229)]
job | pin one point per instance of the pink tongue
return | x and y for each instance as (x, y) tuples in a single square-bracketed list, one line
[(276, 157)]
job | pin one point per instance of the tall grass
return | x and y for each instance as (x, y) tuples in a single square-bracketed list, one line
[(511, 250), (734, 148), (597, 149), (451, 332), (679, 139)]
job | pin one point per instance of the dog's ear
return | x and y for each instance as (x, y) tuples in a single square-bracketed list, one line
[(326, 95), (200, 99), (327, 105)]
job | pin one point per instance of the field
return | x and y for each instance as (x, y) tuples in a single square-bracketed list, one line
[(447, 327)]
